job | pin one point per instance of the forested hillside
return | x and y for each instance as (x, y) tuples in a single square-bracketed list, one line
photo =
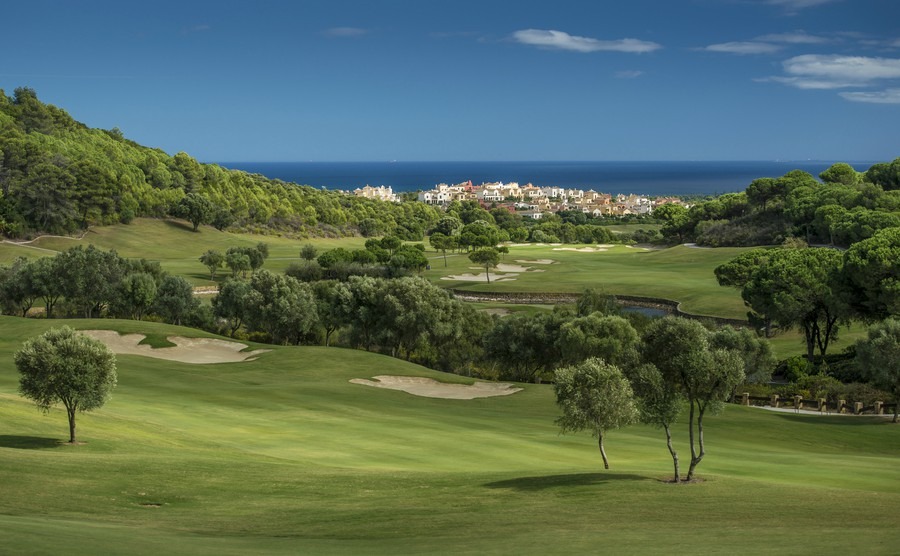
[(843, 208), (57, 175)]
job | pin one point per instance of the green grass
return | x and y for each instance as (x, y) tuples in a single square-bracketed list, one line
[(678, 273), (175, 246), (792, 342), (284, 455), (156, 341)]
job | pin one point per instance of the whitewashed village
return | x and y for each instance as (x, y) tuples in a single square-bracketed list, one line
[(529, 200)]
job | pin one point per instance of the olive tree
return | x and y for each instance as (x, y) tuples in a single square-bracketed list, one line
[(609, 337), (63, 366), (194, 208), (596, 396), (175, 300), (681, 349), (659, 404), (213, 260), (230, 304)]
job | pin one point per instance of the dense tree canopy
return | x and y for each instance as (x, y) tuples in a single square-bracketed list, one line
[(871, 274), (57, 175), (878, 358), (792, 288)]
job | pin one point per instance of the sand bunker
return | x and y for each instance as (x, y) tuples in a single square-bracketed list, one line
[(480, 277), (581, 249), (535, 261), (503, 267), (187, 350), (513, 271), (426, 387)]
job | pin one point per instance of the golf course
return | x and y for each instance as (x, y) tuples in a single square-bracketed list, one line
[(292, 450), (283, 454)]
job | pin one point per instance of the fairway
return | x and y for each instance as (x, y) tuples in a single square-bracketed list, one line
[(285, 455), (678, 273), (174, 245)]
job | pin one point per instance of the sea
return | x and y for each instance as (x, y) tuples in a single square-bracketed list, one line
[(645, 178)]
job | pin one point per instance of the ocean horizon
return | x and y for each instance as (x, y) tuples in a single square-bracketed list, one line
[(659, 178)]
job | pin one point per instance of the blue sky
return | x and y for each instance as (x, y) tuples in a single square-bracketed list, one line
[(370, 80)]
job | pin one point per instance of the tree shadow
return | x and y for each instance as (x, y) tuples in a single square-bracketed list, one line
[(179, 224), (531, 484), (28, 442)]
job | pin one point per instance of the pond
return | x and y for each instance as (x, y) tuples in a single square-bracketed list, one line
[(651, 312)]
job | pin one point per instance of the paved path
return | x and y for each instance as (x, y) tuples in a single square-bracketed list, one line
[(816, 412)]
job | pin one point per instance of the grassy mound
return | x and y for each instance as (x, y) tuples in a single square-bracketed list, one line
[(284, 455)]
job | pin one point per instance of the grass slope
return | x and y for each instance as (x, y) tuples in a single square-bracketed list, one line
[(283, 455), (174, 245)]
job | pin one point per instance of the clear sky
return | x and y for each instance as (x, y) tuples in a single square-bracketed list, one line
[(372, 80)]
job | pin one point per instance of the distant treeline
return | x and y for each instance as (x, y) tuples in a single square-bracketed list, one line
[(845, 207)]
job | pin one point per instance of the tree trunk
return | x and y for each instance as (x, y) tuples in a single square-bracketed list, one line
[(487, 273), (602, 451), (71, 413), (696, 458), (693, 444), (810, 343), (445, 258), (825, 339), (673, 452)]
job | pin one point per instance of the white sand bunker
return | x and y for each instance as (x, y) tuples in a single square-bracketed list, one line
[(581, 249), (536, 261), (186, 350), (503, 267), (481, 277), (426, 387)]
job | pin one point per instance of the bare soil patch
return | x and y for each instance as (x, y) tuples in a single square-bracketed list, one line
[(428, 388), (201, 351)]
